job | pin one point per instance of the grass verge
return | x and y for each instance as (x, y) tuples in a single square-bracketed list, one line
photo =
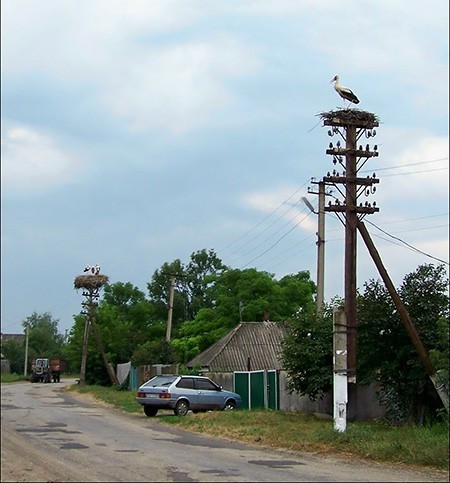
[(422, 446)]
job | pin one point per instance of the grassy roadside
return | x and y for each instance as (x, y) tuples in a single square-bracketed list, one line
[(426, 447)]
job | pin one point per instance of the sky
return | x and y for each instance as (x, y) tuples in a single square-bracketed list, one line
[(137, 133)]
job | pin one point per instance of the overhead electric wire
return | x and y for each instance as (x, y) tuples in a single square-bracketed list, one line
[(264, 219), (279, 239), (407, 244), (252, 239)]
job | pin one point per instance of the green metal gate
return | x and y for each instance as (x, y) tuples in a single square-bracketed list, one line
[(258, 389)]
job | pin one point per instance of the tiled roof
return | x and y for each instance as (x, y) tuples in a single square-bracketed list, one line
[(249, 346)]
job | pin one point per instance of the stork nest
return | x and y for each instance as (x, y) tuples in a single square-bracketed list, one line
[(90, 282), (350, 116)]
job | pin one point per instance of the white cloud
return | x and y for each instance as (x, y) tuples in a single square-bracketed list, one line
[(33, 162), (422, 172), (177, 87), (281, 204)]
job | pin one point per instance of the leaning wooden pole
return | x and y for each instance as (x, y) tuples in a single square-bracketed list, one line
[(407, 322)]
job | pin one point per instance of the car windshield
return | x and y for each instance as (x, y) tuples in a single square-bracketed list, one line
[(159, 381)]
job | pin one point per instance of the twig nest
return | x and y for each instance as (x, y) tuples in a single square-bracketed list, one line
[(90, 282), (350, 116)]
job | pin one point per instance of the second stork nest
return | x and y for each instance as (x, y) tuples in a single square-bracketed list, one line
[(90, 282)]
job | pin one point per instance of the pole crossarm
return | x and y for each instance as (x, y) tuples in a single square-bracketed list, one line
[(367, 210), (359, 153), (348, 179)]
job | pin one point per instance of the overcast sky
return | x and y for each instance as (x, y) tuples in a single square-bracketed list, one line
[(136, 133)]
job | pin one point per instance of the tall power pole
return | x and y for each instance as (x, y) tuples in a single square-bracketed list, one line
[(170, 312), (320, 279), (91, 283), (27, 335), (349, 126)]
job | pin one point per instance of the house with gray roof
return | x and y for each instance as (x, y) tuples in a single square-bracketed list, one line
[(250, 346)]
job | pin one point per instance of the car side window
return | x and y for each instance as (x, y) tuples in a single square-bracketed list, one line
[(205, 385), (186, 383)]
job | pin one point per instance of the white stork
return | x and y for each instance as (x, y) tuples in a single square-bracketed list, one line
[(344, 92)]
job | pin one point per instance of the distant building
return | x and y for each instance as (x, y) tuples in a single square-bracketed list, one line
[(250, 346), (15, 337)]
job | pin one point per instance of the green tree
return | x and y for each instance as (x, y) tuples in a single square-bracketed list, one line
[(44, 339), (385, 351), (308, 351), (234, 294), (159, 291), (125, 320), (14, 351)]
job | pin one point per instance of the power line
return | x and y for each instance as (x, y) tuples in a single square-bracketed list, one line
[(407, 244), (407, 165), (264, 219), (252, 239)]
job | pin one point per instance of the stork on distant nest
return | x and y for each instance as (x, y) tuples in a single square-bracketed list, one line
[(344, 92)]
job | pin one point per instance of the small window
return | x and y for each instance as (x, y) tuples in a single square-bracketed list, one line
[(206, 385), (186, 383)]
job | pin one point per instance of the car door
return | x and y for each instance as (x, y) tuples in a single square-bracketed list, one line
[(185, 388), (210, 395)]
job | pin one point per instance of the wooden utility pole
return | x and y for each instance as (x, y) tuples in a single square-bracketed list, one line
[(91, 285), (350, 125), (411, 329)]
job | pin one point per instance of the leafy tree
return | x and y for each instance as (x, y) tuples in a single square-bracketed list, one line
[(157, 351), (440, 354), (14, 351), (125, 320), (43, 341), (308, 351), (201, 272), (235, 294), (385, 351), (191, 283), (159, 291)]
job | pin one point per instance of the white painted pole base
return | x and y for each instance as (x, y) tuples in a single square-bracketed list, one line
[(340, 399)]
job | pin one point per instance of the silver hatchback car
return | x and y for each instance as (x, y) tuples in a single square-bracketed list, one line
[(184, 393)]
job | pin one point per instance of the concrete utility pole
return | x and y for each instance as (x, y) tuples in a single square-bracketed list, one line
[(320, 279), (349, 125), (170, 313), (27, 334)]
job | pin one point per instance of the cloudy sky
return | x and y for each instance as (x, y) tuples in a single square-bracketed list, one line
[(136, 133)]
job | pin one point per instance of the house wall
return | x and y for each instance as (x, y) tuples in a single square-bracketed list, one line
[(363, 404), (6, 368)]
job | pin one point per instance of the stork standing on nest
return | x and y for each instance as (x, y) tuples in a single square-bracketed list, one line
[(344, 92)]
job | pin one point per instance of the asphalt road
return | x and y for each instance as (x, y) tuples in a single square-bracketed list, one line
[(52, 435)]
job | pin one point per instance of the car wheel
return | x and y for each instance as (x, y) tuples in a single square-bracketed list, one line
[(182, 408), (150, 411), (229, 406)]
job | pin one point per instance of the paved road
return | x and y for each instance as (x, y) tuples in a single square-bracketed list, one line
[(52, 435)]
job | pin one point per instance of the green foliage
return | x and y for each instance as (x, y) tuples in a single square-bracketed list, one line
[(13, 377), (308, 352), (385, 351), (153, 352), (440, 354), (43, 341), (14, 351)]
